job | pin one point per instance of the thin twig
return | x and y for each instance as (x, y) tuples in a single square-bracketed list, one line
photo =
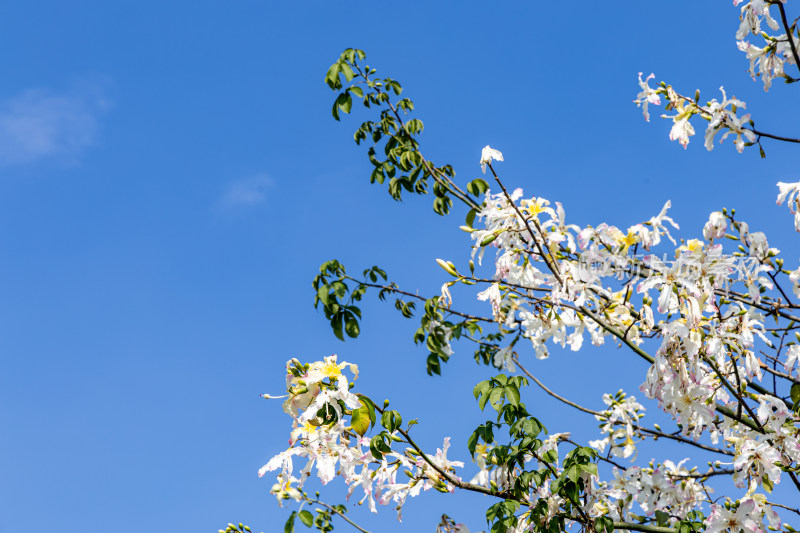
[(334, 510)]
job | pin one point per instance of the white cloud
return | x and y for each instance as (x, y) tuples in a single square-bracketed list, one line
[(246, 192), (39, 123)]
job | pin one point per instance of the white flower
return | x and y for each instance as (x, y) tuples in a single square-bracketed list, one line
[(647, 96), (441, 460), (720, 519), (715, 227), (493, 295), (445, 299), (503, 359), (681, 130), (759, 247), (761, 458), (657, 222), (487, 154), (751, 18), (726, 118), (789, 192), (770, 64), (792, 358), (283, 489), (772, 412)]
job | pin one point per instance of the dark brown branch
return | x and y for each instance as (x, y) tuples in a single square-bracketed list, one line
[(788, 30), (552, 266)]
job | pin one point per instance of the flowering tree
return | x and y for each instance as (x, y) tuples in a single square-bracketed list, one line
[(716, 320)]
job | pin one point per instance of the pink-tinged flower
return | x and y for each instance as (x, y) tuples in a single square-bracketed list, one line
[(751, 15), (721, 519), (648, 95), (666, 278), (770, 62), (722, 118), (715, 227), (788, 192), (772, 412), (757, 459)]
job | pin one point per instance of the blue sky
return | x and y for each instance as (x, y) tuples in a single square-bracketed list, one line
[(171, 179)]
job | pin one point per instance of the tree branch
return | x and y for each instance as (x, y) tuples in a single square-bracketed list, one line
[(789, 35), (336, 511)]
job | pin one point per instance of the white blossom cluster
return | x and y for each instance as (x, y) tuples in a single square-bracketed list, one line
[(618, 424), (767, 61), (719, 115), (704, 315), (709, 319), (651, 488), (333, 448)]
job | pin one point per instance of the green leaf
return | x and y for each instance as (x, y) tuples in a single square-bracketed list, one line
[(347, 71), (482, 401), (306, 518), (531, 427), (477, 187), (391, 420), (373, 447), (481, 388), (605, 523), (496, 398), (573, 473), (336, 324), (351, 325), (512, 395), (550, 456), (289, 527), (794, 392), (662, 518), (471, 217), (360, 419), (324, 293), (332, 77)]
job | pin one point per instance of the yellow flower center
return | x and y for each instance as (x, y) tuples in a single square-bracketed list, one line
[(331, 370)]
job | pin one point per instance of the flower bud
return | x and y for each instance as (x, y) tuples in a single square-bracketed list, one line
[(489, 238), (448, 267)]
